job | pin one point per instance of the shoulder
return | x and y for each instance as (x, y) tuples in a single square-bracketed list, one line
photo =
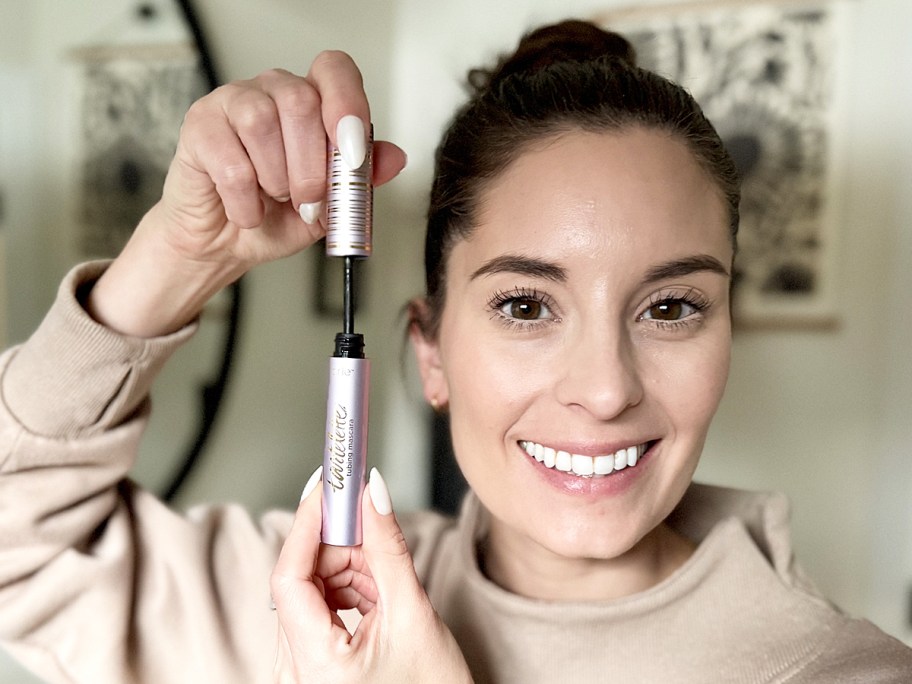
[(857, 652)]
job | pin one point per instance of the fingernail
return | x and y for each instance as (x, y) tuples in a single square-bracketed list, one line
[(351, 140), (312, 483), (310, 212), (379, 494)]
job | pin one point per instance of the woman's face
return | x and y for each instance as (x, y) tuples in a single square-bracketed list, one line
[(584, 343)]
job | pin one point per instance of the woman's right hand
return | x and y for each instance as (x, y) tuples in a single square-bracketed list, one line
[(250, 154)]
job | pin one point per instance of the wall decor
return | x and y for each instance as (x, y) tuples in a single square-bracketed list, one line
[(131, 102), (764, 73)]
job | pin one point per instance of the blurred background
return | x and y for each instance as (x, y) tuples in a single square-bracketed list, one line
[(818, 404)]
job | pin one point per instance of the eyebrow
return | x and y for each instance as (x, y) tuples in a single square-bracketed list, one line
[(685, 266), (514, 263)]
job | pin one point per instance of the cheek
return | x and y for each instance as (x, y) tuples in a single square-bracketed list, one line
[(490, 384), (693, 385)]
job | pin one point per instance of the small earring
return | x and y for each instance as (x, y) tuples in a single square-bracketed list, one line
[(435, 404)]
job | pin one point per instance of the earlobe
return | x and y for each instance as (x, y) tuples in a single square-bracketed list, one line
[(427, 355)]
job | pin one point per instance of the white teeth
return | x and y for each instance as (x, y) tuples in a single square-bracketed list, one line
[(604, 465), (550, 458), (584, 466), (620, 459)]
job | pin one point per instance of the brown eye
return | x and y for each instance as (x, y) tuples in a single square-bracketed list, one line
[(673, 310), (525, 309)]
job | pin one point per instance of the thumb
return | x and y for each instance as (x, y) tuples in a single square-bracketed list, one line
[(384, 546), (298, 557)]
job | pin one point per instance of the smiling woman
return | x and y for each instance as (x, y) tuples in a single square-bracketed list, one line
[(576, 327), (617, 314)]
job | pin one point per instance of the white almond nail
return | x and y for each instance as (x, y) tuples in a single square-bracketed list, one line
[(310, 212), (352, 142), (379, 493), (312, 483)]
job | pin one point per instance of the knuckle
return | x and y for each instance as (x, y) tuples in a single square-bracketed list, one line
[(256, 115), (298, 98), (273, 74), (237, 177), (198, 112), (279, 586)]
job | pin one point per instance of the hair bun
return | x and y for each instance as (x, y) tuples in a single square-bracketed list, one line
[(572, 40)]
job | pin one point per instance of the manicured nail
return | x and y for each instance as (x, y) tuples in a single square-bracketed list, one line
[(310, 212), (352, 142), (379, 493), (312, 483)]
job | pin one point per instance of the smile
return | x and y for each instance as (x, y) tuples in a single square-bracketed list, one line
[(584, 466)]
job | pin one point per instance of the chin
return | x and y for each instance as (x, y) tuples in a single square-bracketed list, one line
[(589, 539)]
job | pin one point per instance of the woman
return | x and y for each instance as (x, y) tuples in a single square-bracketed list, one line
[(576, 328)]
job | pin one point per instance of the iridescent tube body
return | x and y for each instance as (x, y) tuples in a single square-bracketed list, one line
[(345, 458)]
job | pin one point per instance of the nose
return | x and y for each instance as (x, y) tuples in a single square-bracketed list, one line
[(601, 376)]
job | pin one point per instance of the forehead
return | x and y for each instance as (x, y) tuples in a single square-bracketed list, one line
[(637, 190)]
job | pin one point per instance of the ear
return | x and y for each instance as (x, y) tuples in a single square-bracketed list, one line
[(427, 354)]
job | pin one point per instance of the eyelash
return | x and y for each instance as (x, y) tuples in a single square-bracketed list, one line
[(690, 297), (502, 297), (698, 302)]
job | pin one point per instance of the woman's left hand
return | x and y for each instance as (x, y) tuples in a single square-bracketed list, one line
[(400, 637)]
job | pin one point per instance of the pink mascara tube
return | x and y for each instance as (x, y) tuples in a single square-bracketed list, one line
[(349, 213)]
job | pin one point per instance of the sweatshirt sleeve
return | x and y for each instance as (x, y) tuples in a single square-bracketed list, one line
[(99, 581)]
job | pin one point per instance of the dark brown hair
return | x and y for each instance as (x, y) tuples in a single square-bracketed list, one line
[(564, 77)]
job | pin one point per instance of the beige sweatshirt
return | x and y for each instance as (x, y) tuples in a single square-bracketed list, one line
[(101, 583)]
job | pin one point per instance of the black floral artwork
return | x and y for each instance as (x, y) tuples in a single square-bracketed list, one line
[(131, 108), (763, 75)]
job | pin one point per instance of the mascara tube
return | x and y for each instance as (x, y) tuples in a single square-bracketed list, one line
[(349, 213), (345, 457)]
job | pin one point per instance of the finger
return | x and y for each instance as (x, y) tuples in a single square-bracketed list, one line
[(298, 105), (341, 86), (299, 602), (389, 160), (385, 549), (214, 150), (254, 114)]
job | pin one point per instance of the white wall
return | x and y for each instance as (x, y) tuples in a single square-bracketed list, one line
[(823, 416)]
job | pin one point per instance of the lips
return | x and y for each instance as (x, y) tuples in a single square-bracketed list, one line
[(582, 465)]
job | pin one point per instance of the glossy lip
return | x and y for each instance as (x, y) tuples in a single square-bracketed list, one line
[(609, 485)]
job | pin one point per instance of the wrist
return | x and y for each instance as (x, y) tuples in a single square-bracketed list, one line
[(150, 289)]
